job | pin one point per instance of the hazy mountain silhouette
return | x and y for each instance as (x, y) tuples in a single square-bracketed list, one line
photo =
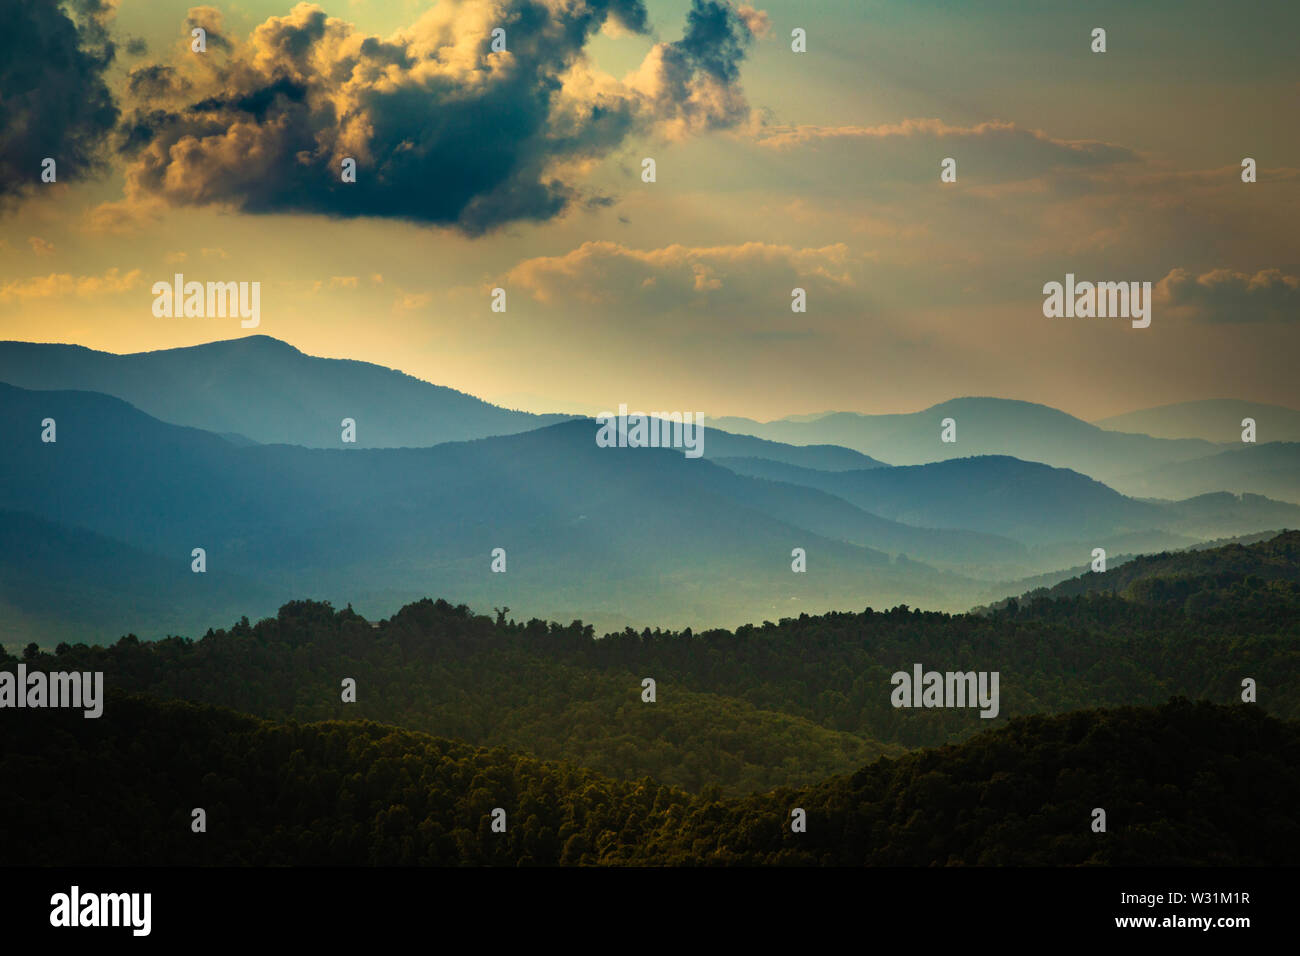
[(1028, 501), (1060, 514), (615, 536), (834, 517), (254, 471), (1271, 469), (261, 390), (1214, 419), (268, 391), (985, 426), (719, 443), (62, 583)]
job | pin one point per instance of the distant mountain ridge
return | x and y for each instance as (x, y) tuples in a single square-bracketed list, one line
[(1214, 419), (246, 461), (614, 535), (984, 426), (1271, 469), (260, 389), (263, 390), (268, 391), (1055, 511)]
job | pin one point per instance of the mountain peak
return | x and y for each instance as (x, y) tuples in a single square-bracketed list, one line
[(259, 343)]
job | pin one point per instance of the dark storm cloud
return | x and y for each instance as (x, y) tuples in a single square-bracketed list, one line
[(155, 82), (443, 129), (715, 40), (706, 62), (53, 99)]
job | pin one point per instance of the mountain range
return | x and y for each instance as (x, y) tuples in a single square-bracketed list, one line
[(983, 426), (1214, 419), (267, 391), (587, 531), (1177, 463), (235, 447)]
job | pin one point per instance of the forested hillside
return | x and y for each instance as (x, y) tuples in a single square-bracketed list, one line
[(778, 704), (1234, 585), (457, 714), (1180, 784)]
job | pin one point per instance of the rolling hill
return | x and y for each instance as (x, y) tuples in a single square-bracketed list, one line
[(1182, 784), (1260, 574), (778, 704), (1271, 469), (1216, 420)]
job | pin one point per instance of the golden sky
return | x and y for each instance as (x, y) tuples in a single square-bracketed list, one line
[(521, 169)]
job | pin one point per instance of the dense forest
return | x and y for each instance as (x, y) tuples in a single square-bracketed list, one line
[(778, 704), (1254, 582), (457, 713), (1180, 784)]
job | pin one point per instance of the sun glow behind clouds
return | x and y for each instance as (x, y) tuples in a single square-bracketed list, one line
[(932, 289)]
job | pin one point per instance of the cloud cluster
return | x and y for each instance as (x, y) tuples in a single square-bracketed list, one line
[(1223, 295), (753, 275), (209, 19), (53, 99), (443, 129), (58, 284)]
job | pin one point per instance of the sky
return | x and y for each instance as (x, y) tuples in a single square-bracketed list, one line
[(521, 169)]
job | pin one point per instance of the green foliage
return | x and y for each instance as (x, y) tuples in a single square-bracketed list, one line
[(1180, 784), (747, 725), (1254, 581), (782, 704)]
